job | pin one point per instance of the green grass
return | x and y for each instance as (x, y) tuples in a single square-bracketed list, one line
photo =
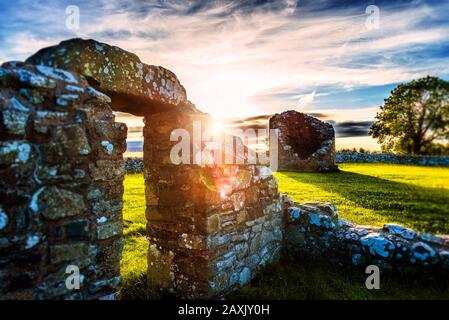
[(134, 260), (309, 278), (416, 197), (374, 194)]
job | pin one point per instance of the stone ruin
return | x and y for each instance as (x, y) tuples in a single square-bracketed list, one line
[(316, 229), (61, 194), (306, 144), (209, 226)]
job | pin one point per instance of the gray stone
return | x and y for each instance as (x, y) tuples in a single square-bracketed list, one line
[(15, 121), (422, 253), (294, 213), (234, 279), (430, 238), (67, 252), (112, 296), (321, 221), (105, 284), (70, 140), (245, 277), (228, 262), (56, 203), (358, 259), (48, 146), (3, 219), (12, 152), (25, 77), (106, 206), (108, 230), (400, 231), (106, 170), (378, 245)]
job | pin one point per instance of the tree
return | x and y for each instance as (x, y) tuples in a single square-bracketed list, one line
[(415, 118)]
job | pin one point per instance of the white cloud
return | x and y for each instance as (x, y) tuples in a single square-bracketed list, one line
[(225, 61), (306, 100)]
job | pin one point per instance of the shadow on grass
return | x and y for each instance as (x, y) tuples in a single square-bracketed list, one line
[(135, 287), (309, 278), (312, 278), (425, 209)]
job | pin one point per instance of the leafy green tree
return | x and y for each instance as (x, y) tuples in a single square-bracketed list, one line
[(415, 118)]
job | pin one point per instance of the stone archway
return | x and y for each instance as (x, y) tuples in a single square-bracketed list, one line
[(209, 226)]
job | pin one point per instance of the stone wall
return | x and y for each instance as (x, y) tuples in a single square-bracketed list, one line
[(315, 228), (306, 144), (133, 165), (61, 185), (357, 157), (210, 226)]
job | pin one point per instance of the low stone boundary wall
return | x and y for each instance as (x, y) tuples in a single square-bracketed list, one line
[(315, 228), (133, 165), (357, 157)]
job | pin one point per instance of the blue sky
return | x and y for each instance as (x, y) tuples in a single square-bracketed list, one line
[(245, 58)]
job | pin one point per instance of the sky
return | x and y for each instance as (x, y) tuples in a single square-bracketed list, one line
[(237, 59)]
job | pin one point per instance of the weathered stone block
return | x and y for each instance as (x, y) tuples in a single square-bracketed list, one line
[(108, 230), (57, 203), (15, 120), (15, 153), (140, 82), (100, 207), (4, 220), (105, 285), (67, 252), (70, 140), (106, 169)]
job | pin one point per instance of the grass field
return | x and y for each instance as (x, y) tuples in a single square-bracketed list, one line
[(134, 260), (416, 197), (374, 194)]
